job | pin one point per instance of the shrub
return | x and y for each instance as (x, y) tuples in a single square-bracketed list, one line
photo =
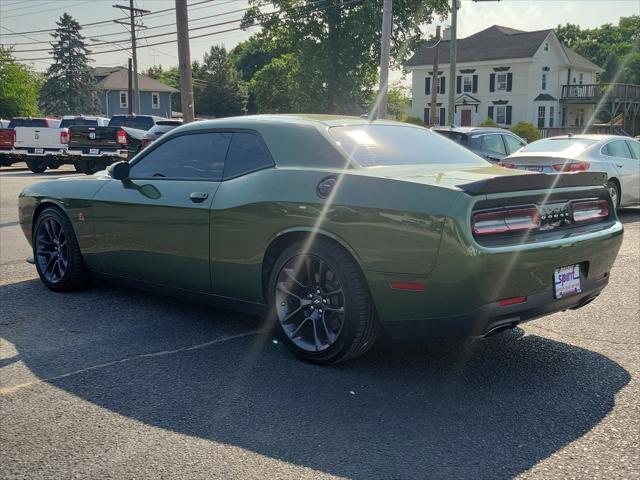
[(488, 123), (526, 130), (413, 120)]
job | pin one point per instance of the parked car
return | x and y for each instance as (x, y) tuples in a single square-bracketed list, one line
[(617, 156), (332, 226), (159, 129), (43, 142), (492, 144), (94, 148), (7, 142)]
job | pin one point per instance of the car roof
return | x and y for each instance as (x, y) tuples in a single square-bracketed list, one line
[(590, 136), (468, 130)]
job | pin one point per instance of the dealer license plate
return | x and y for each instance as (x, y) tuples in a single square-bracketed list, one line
[(94, 151), (567, 281), (39, 150), (534, 169)]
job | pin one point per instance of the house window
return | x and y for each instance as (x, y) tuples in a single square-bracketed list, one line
[(467, 84), (541, 115), (546, 47), (551, 113), (501, 81), (501, 115), (124, 99), (544, 81), (155, 100), (581, 78)]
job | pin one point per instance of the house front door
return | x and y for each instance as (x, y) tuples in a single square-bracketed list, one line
[(465, 119)]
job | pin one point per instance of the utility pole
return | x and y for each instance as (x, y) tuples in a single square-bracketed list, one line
[(385, 43), (453, 52), (435, 82), (132, 14), (130, 90), (184, 61)]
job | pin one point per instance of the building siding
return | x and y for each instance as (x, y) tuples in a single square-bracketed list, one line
[(110, 101)]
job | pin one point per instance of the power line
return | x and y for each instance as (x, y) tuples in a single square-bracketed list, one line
[(48, 9)]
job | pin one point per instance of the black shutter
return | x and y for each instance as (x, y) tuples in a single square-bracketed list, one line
[(443, 80), (459, 84), (427, 116), (475, 84), (509, 114), (509, 81), (492, 82), (442, 115), (491, 112), (427, 86)]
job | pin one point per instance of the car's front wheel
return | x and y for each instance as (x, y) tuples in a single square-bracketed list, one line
[(36, 165), (321, 303), (56, 252)]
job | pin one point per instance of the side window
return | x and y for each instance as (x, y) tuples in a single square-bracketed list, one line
[(635, 148), (247, 153), (513, 143), (191, 156), (493, 143), (617, 148)]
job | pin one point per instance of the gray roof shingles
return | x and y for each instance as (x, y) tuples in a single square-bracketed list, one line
[(116, 78), (493, 43)]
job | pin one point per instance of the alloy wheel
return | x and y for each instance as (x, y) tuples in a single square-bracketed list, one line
[(52, 251), (310, 303)]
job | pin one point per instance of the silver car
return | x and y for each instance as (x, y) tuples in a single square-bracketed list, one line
[(617, 156)]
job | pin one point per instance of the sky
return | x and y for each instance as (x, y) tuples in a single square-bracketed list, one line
[(217, 18)]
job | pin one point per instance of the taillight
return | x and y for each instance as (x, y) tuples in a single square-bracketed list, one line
[(13, 138), (64, 136), (590, 210), (571, 167), (500, 221), (121, 137), (506, 165)]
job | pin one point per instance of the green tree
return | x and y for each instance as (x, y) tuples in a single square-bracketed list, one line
[(488, 123), (526, 130), (275, 88), (71, 87), (19, 87), (218, 91), (337, 44)]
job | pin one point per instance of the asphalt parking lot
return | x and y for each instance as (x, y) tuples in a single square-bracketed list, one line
[(113, 383)]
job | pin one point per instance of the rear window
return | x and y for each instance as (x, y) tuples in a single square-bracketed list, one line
[(565, 145), (141, 123), (70, 122), (376, 145), (27, 122), (174, 123), (117, 121), (457, 137)]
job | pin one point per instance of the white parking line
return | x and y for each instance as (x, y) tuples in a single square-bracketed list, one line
[(14, 388)]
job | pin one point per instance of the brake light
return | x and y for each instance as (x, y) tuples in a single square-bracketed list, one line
[(571, 167), (121, 137), (64, 137), (590, 210), (501, 221)]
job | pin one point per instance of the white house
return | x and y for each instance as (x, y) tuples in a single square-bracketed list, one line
[(507, 75)]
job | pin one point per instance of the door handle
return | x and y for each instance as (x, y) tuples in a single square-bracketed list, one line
[(198, 197)]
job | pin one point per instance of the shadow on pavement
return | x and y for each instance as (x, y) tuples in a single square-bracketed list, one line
[(480, 409), (629, 215)]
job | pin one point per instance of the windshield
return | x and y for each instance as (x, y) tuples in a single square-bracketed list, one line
[(69, 122), (564, 145), (375, 145)]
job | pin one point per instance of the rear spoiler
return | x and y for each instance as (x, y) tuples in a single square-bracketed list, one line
[(534, 181)]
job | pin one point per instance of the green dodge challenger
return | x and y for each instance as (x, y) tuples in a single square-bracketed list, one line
[(334, 227)]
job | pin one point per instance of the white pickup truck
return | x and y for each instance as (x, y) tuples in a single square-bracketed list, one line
[(43, 142)]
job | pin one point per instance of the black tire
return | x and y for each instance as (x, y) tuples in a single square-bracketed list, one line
[(79, 166), (36, 165), (76, 275), (359, 326), (92, 166), (614, 191)]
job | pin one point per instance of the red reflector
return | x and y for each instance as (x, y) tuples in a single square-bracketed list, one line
[(590, 210), (512, 301), (571, 167), (121, 137), (412, 287), (602, 276), (505, 221)]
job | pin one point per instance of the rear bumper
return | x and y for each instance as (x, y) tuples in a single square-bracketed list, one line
[(104, 154), (46, 152), (493, 317)]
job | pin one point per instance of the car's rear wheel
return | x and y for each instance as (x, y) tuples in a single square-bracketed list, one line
[(36, 165), (79, 166), (56, 252), (614, 191), (321, 303)]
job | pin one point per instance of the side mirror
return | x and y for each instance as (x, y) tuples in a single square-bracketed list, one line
[(118, 170)]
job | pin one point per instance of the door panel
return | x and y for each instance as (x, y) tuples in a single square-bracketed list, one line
[(619, 153), (153, 230)]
